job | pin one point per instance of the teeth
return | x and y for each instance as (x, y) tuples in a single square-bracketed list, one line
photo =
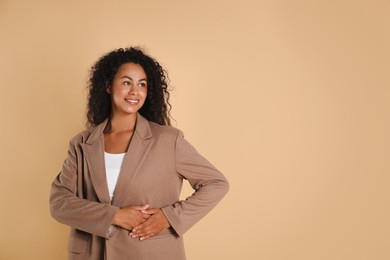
[(132, 100)]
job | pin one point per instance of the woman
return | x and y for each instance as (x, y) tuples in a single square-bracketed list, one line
[(120, 184)]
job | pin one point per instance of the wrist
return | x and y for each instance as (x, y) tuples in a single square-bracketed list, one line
[(116, 219)]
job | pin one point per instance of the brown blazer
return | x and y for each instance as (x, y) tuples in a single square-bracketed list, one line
[(156, 162)]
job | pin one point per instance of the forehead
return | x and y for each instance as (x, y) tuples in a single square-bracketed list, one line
[(132, 70)]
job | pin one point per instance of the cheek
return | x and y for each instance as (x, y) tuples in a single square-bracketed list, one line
[(144, 92), (118, 91)]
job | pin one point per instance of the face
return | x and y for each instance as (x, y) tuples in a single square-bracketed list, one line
[(129, 89)]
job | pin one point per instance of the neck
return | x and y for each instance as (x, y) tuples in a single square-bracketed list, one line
[(121, 123)]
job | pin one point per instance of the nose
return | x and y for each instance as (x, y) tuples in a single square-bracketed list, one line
[(133, 90)]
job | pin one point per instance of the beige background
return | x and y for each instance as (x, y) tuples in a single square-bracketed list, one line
[(290, 99)]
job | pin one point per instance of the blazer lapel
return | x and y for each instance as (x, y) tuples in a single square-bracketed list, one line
[(137, 151), (93, 150)]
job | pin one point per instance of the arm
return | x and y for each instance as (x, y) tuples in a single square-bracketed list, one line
[(89, 216), (66, 207), (209, 184)]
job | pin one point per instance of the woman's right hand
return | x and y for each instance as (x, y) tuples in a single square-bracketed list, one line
[(130, 217)]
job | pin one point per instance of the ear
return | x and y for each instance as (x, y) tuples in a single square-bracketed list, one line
[(108, 90)]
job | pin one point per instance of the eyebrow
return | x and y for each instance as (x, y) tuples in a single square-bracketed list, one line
[(127, 77)]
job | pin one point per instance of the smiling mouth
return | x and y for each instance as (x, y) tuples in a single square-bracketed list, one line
[(132, 101)]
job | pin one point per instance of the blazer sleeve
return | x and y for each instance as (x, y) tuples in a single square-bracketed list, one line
[(209, 184), (66, 207)]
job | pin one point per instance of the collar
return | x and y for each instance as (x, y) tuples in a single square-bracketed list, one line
[(142, 130)]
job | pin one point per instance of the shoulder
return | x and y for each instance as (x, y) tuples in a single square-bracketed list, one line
[(164, 131), (82, 136), (89, 135)]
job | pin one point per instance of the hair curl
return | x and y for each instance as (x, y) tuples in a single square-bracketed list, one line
[(156, 107)]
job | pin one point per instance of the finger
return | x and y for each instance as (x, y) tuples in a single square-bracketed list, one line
[(151, 211), (146, 216), (149, 232), (144, 229), (141, 229), (146, 237), (146, 234), (142, 238), (141, 215), (138, 229), (151, 222), (141, 207)]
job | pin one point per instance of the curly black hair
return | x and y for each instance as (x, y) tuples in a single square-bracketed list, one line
[(156, 107)]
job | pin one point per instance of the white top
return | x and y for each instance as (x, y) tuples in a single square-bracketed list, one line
[(113, 166)]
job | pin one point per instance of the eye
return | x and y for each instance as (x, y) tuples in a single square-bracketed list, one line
[(142, 84), (126, 83)]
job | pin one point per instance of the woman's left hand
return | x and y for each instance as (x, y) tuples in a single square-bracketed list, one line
[(156, 223)]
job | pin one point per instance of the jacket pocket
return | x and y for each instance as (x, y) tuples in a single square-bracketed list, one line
[(78, 242)]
